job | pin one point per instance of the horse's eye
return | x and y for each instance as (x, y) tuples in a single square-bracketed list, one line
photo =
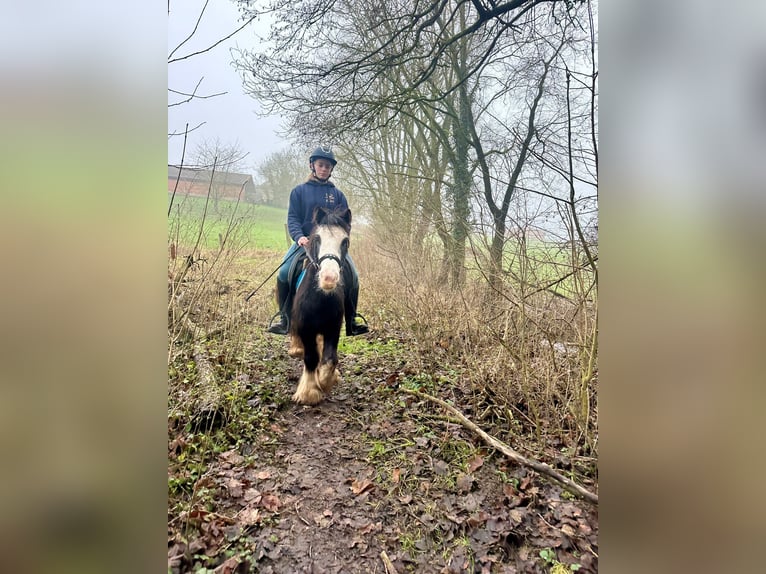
[(344, 244)]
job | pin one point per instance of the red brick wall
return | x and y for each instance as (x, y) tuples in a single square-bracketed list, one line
[(200, 189)]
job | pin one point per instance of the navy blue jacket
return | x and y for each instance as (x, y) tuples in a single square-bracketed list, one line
[(304, 198)]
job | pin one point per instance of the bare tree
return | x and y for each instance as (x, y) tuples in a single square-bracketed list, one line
[(278, 174), (358, 68), (314, 57), (220, 160)]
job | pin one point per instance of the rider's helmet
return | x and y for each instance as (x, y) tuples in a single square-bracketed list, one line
[(324, 152)]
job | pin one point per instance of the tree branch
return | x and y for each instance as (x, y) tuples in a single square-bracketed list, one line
[(540, 467), (194, 31), (171, 60), (193, 94)]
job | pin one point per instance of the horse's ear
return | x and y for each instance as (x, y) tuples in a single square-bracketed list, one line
[(320, 213), (347, 216)]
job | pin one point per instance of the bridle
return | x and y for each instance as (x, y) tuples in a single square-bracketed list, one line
[(317, 263)]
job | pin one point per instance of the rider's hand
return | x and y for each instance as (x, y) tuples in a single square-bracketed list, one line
[(303, 241)]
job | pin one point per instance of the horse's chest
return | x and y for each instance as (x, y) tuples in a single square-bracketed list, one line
[(319, 308)]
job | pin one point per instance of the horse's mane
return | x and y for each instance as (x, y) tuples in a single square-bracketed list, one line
[(340, 217)]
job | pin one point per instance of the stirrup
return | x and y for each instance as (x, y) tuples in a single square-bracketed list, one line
[(280, 328), (358, 328)]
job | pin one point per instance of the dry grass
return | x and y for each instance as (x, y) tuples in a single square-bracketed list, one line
[(528, 360)]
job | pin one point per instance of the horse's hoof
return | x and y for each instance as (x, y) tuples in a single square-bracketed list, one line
[(311, 397), (328, 376)]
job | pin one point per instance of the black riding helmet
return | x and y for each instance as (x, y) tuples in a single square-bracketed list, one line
[(324, 153)]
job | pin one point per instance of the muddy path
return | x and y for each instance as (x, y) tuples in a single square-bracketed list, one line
[(371, 480)]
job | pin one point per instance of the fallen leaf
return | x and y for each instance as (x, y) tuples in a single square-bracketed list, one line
[(441, 468), (234, 487), (455, 518), (464, 482), (475, 463), (516, 515), (358, 487), (251, 494), (270, 502), (263, 475), (476, 519), (232, 457), (495, 524), (196, 546), (395, 475), (469, 503), (532, 492), (228, 567), (249, 516), (371, 527)]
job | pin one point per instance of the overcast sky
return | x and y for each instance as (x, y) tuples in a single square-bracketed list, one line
[(231, 117)]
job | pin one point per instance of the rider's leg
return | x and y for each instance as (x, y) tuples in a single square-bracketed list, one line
[(283, 294), (352, 299)]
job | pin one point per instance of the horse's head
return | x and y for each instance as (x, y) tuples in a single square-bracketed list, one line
[(329, 245)]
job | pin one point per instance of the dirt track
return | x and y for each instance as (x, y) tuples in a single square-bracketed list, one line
[(370, 471)]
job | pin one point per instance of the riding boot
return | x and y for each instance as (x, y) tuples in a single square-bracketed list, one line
[(281, 328), (352, 328)]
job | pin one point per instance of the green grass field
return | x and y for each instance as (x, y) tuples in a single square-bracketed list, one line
[(259, 227), (244, 224), (544, 264)]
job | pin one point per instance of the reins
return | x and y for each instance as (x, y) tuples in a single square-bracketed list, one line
[(311, 259), (254, 291)]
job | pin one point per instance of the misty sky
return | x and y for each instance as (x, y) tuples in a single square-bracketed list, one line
[(231, 117)]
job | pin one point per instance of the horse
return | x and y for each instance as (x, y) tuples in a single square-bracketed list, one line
[(319, 306)]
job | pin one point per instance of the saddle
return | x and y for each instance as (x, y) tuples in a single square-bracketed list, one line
[(294, 277)]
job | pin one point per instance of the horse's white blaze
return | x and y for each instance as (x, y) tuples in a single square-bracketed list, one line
[(329, 270)]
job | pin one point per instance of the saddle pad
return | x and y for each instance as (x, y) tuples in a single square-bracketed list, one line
[(297, 270)]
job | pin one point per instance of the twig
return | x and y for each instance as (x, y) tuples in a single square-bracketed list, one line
[(192, 95), (193, 31), (540, 467), (180, 167), (387, 563), (298, 514), (198, 52), (187, 131)]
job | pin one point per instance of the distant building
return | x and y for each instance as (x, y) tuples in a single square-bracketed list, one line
[(529, 234), (225, 185)]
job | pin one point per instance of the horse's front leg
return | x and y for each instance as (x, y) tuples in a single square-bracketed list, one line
[(296, 347), (327, 374), (309, 391)]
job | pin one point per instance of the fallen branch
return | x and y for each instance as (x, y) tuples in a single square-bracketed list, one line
[(387, 563), (540, 467)]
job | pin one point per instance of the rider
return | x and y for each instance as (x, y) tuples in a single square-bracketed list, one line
[(318, 191)]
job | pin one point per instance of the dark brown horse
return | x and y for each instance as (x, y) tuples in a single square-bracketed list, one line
[(318, 308)]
